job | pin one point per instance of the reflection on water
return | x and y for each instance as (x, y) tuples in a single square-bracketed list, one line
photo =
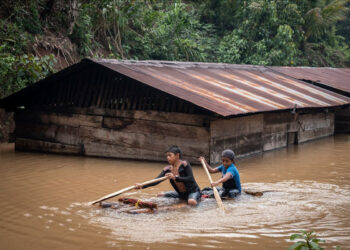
[(43, 202)]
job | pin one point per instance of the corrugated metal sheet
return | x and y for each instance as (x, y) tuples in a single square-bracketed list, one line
[(338, 78), (227, 89), (224, 89)]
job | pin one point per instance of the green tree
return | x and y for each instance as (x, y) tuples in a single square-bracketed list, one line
[(177, 34), (321, 45), (273, 37)]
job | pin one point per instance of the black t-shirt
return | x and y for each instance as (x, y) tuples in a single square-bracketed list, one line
[(185, 176)]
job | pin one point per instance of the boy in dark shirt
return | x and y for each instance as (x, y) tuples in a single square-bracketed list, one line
[(230, 177), (180, 174)]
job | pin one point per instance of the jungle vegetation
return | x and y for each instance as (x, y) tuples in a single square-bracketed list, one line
[(39, 37)]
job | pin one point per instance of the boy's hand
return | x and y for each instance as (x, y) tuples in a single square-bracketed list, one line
[(170, 176), (202, 158), (215, 183), (138, 186)]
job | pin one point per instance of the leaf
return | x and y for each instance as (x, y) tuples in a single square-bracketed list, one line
[(296, 245), (295, 236), (314, 246)]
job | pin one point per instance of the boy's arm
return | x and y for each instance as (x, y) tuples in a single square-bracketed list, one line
[(164, 171), (210, 169), (226, 177)]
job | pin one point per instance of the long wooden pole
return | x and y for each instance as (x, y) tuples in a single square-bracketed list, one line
[(216, 193), (108, 196)]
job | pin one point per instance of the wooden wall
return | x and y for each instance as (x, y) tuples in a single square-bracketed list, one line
[(342, 120), (262, 132), (145, 135), (142, 135)]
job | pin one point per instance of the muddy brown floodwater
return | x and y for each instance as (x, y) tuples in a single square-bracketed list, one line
[(43, 202)]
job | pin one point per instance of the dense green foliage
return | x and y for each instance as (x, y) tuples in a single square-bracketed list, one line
[(18, 68), (264, 32)]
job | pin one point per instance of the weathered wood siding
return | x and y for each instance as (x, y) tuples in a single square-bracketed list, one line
[(314, 126), (243, 135), (121, 134), (342, 120), (258, 133), (145, 135)]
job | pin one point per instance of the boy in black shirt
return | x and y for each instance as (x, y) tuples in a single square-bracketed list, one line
[(180, 174)]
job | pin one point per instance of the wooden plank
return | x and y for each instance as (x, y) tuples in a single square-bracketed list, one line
[(78, 91), (91, 87), (304, 136), (40, 132), (112, 86), (49, 132), (162, 102), (108, 83), (274, 140), (73, 120), (121, 152), (59, 94), (275, 128), (131, 95), (278, 118), (66, 85), (136, 98), (315, 121), (242, 145), (45, 146), (98, 89), (114, 98), (342, 120), (158, 143), (342, 127), (84, 90), (74, 84), (54, 94), (102, 91), (154, 127), (176, 118), (125, 96), (236, 126)]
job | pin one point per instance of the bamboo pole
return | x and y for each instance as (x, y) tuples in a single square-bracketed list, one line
[(216, 193), (108, 196)]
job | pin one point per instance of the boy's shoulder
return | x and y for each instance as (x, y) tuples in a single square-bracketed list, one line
[(167, 168), (184, 163), (232, 168), (220, 168)]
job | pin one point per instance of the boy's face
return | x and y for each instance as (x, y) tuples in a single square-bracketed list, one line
[(226, 162), (172, 158)]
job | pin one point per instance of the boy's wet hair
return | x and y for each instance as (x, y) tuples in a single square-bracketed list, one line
[(175, 150)]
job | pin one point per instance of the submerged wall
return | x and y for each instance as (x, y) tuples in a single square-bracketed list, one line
[(143, 135), (120, 134), (342, 120), (7, 126), (262, 132)]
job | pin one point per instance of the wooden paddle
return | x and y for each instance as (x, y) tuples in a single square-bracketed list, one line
[(108, 196), (216, 193)]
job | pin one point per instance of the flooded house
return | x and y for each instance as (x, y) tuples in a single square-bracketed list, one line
[(333, 79), (137, 109)]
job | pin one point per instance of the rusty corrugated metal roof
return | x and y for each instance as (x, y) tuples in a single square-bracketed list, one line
[(227, 89), (338, 78)]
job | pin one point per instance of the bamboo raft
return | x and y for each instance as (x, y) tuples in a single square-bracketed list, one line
[(137, 206)]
